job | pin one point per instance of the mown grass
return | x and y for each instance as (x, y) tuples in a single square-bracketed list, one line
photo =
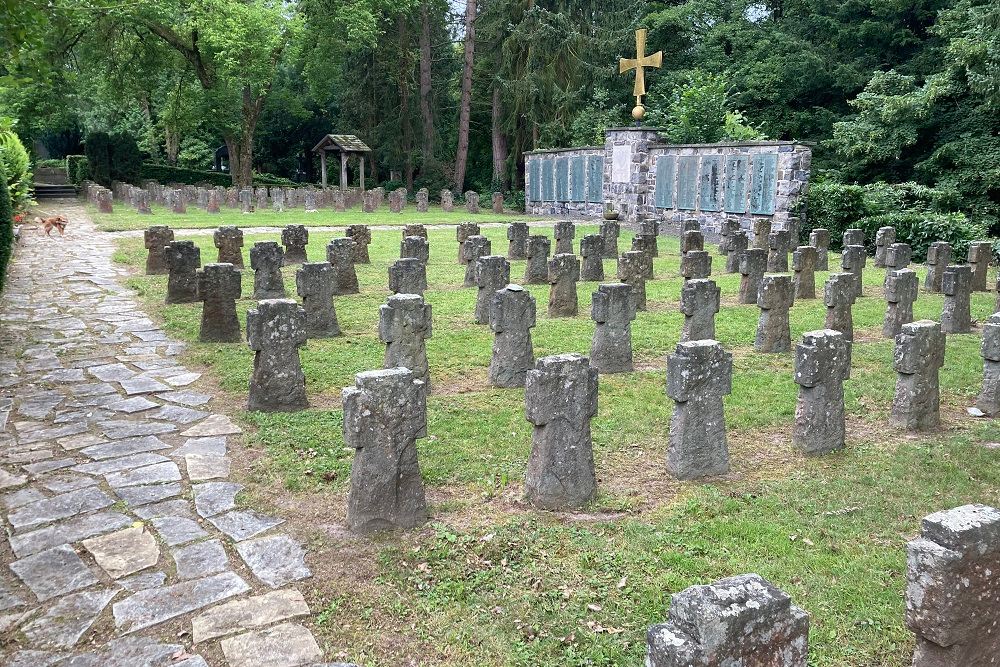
[(492, 582), (125, 218)]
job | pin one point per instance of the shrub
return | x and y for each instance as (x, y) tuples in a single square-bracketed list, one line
[(6, 227), (77, 168), (49, 164), (125, 159), (166, 174), (833, 206), (920, 229), (98, 152), (17, 166)]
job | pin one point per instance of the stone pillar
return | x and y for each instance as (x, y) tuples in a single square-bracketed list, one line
[(462, 232), (413, 229), (295, 238), (699, 374), (536, 271), (884, 237), (700, 301), (104, 201), (952, 588), (737, 244), (696, 264), (498, 203), (644, 244), (753, 264), (897, 257), (183, 259), (804, 265), (415, 247), (472, 202), (822, 364), (218, 288), (314, 283), (775, 298), (178, 202), (741, 621), (340, 255), (938, 258), (229, 241), (309, 202), (384, 414), (404, 323), (517, 235), (560, 398), (819, 238), (852, 261), (989, 398), (275, 332), (838, 294), (423, 200), (779, 242), (610, 231), (901, 288), (447, 201), (512, 317), (266, 258), (155, 239), (260, 194), (690, 225), (474, 248), (956, 316), (278, 200), (729, 227), (980, 256), (339, 202), (214, 202), (142, 203), (632, 271), (564, 272), (564, 232), (397, 201), (761, 228), (362, 237), (592, 252), (613, 309), (408, 275), (918, 356), (854, 236), (246, 201), (650, 231), (492, 274)]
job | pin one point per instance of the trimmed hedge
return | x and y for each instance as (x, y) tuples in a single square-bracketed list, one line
[(163, 173), (6, 227), (77, 168), (920, 229)]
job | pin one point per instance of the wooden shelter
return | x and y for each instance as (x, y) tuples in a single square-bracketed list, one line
[(346, 145)]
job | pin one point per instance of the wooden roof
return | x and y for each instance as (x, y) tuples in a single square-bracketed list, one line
[(345, 143)]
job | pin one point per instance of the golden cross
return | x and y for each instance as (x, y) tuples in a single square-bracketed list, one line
[(641, 60)]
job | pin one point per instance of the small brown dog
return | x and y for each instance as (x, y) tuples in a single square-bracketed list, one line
[(53, 222)]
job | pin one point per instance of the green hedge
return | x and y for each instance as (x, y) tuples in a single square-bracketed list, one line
[(77, 168), (920, 229), (6, 227), (163, 173)]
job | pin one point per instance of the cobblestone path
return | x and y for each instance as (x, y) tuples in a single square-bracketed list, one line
[(125, 546)]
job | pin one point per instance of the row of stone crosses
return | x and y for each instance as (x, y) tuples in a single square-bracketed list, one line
[(178, 197), (385, 411)]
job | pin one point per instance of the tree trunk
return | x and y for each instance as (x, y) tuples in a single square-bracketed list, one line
[(404, 101), (465, 104), (426, 113), (241, 146), (172, 141), (499, 144)]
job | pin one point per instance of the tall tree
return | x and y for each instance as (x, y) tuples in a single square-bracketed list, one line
[(465, 103), (426, 111)]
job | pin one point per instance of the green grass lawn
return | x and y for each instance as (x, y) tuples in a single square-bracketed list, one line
[(125, 218), (492, 582)]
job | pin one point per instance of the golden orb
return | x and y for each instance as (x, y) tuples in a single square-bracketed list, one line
[(638, 112)]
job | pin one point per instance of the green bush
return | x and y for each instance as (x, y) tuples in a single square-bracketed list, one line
[(163, 173), (125, 159), (49, 164), (832, 206), (920, 229), (77, 168), (6, 227), (17, 165), (98, 151)]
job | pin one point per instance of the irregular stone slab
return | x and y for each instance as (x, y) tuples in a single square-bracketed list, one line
[(214, 425), (253, 612), (560, 400), (73, 530), (8, 600), (141, 582), (177, 530), (214, 498), (43, 467), (110, 373), (117, 430), (53, 573), (142, 385), (243, 524), (178, 414), (22, 497), (182, 380), (59, 507), (822, 364), (127, 447), (35, 659), (154, 474), (64, 623), (917, 358), (276, 560), (741, 620), (124, 463), (285, 645), (166, 508), (209, 446), (156, 605), (52, 433), (9, 481), (952, 591), (132, 405), (137, 496), (201, 467), (125, 552), (201, 559), (185, 397)]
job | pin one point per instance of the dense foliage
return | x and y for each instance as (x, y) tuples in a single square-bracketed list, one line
[(16, 165), (6, 226)]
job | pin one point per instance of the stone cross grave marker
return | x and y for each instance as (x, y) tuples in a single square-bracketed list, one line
[(938, 258), (901, 288), (631, 271), (266, 258), (314, 282), (155, 239), (753, 265), (462, 233), (989, 397), (564, 272), (592, 252), (700, 300), (295, 238), (804, 266), (779, 242), (219, 287), (839, 296), (404, 323), (362, 237), (275, 332), (536, 271), (408, 275), (956, 316), (183, 259), (517, 235), (492, 274), (613, 309), (340, 255), (415, 247), (884, 237), (819, 238), (775, 298), (512, 317), (822, 364), (229, 241), (918, 356), (474, 248), (564, 231)]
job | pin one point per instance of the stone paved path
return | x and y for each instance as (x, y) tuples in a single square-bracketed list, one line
[(126, 546)]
